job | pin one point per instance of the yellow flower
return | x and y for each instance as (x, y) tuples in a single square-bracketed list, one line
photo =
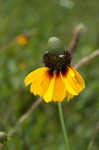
[(22, 40), (57, 79)]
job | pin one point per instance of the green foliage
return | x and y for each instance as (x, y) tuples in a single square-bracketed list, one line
[(41, 130)]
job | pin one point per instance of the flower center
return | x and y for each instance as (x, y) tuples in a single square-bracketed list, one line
[(57, 61)]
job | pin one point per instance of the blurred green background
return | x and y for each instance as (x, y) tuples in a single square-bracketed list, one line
[(46, 18)]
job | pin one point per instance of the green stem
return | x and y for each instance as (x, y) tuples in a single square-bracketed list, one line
[(63, 126)]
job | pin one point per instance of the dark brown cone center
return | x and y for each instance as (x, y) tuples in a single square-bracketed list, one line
[(56, 61)]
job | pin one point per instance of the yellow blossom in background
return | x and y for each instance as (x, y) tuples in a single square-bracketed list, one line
[(22, 40), (58, 79)]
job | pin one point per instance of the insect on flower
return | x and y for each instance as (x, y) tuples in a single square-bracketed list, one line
[(57, 79)]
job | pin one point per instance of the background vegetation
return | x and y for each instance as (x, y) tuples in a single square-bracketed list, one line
[(46, 18)]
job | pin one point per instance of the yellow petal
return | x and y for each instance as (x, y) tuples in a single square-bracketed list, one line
[(34, 75), (73, 81), (79, 78), (40, 85), (49, 93), (68, 84), (59, 90)]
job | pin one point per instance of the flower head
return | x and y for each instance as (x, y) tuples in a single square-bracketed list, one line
[(58, 78)]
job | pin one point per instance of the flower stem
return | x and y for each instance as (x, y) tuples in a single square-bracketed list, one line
[(63, 126)]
